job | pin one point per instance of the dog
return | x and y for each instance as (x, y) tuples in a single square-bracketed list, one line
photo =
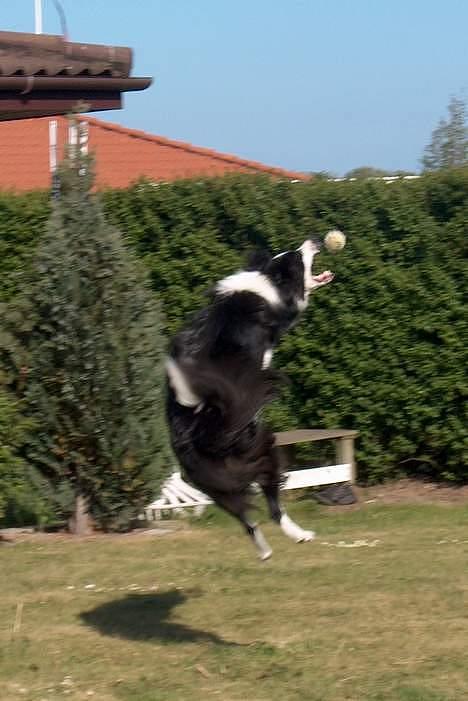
[(219, 379)]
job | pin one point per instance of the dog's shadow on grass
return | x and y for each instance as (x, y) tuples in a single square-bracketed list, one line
[(147, 617)]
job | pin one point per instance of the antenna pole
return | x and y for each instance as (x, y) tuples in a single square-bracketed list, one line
[(38, 16)]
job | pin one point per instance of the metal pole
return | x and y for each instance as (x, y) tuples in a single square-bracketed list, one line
[(38, 16), (53, 127)]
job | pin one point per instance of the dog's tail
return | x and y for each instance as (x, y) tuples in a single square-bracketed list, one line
[(230, 399)]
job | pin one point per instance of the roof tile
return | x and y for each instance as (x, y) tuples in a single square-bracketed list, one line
[(51, 55)]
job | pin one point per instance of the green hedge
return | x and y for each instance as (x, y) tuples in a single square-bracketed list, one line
[(382, 350), (22, 220), (22, 501)]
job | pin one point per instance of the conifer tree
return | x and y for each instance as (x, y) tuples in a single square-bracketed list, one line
[(449, 143), (94, 349)]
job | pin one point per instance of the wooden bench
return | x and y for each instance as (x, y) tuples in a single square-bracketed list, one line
[(343, 471), (177, 495)]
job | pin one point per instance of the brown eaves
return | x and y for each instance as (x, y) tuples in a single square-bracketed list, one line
[(43, 74)]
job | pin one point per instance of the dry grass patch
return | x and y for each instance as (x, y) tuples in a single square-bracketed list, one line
[(193, 615)]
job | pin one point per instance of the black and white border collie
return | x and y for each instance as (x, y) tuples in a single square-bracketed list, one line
[(219, 379)]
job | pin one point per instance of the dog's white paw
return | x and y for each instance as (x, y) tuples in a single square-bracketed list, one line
[(306, 536), (295, 532), (263, 549), (265, 555)]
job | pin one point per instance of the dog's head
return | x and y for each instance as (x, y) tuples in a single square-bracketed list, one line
[(290, 272)]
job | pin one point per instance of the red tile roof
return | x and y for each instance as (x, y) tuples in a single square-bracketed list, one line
[(122, 156)]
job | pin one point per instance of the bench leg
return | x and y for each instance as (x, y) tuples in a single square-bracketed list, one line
[(284, 456), (345, 454)]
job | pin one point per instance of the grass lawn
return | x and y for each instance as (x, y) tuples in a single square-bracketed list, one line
[(192, 615)]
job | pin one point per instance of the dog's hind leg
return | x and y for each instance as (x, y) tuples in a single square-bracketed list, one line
[(270, 483), (235, 504), (263, 549), (269, 478), (279, 515)]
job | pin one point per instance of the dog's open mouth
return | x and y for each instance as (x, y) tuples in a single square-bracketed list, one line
[(322, 278)]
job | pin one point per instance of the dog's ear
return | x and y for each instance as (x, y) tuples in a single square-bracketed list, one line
[(258, 260)]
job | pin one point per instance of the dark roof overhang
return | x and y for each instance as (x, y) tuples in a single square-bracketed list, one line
[(44, 75)]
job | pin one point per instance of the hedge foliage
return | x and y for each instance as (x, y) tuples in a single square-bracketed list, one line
[(23, 218), (382, 350), (22, 500)]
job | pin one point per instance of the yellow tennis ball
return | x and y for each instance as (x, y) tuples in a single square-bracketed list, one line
[(334, 241)]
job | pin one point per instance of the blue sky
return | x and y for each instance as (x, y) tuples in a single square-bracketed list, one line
[(303, 84)]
